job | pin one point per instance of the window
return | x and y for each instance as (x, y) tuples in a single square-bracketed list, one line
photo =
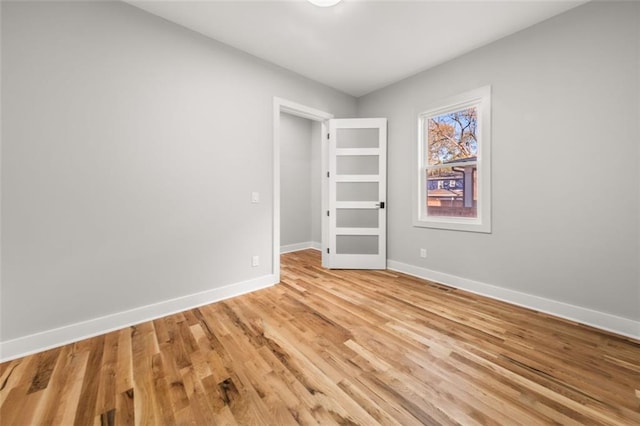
[(454, 164)]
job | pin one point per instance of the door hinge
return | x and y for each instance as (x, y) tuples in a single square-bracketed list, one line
[(328, 136), (328, 251), (328, 174), (327, 212)]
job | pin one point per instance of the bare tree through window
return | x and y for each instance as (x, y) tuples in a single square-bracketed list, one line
[(452, 153), (453, 136)]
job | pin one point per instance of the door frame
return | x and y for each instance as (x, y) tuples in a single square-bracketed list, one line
[(293, 108)]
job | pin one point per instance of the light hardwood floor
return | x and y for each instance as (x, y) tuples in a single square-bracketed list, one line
[(334, 347)]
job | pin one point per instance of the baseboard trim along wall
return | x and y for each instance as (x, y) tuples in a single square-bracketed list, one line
[(289, 248), (38, 342), (601, 320)]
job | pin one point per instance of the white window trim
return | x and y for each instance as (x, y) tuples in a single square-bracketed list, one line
[(481, 98)]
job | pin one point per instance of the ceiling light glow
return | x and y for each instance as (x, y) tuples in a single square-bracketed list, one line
[(324, 3)]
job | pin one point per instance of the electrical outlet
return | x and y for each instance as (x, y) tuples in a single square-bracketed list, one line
[(255, 261), (423, 253)]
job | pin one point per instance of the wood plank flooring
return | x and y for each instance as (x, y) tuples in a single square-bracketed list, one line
[(334, 347)]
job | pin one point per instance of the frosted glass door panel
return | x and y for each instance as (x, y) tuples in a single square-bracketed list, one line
[(357, 218), (357, 244), (357, 191), (357, 165), (358, 138)]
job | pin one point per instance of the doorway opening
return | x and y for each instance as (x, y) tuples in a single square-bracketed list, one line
[(300, 184), (314, 124)]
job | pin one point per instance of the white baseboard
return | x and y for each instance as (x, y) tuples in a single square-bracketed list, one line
[(48, 339), (300, 246), (601, 320)]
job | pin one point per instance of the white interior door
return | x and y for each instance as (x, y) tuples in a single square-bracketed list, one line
[(357, 193)]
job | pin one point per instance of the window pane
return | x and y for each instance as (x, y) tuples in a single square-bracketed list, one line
[(358, 138), (452, 137), (357, 164), (357, 244), (452, 191), (357, 191), (357, 218)]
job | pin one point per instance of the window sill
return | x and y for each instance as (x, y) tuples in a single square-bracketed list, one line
[(454, 224)]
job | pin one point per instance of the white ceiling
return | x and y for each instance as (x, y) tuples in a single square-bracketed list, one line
[(356, 46)]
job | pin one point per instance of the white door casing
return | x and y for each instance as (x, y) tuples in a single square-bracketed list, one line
[(357, 193)]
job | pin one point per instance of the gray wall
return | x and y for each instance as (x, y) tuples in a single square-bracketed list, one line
[(130, 150), (300, 190), (565, 161), (316, 183)]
